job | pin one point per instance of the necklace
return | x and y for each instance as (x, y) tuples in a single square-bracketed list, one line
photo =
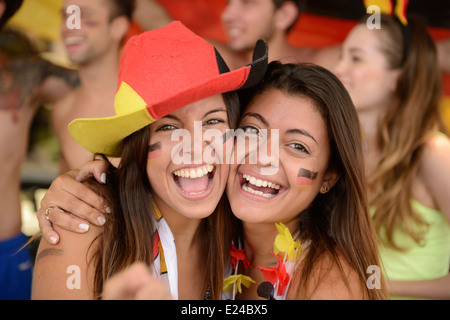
[(286, 249)]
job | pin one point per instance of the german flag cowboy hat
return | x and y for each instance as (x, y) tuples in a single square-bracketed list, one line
[(161, 71)]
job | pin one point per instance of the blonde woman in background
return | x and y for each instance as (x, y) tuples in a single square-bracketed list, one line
[(393, 78)]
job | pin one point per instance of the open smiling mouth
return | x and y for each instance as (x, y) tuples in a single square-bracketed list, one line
[(194, 181), (259, 187)]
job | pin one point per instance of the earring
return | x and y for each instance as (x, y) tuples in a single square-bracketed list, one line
[(324, 190)]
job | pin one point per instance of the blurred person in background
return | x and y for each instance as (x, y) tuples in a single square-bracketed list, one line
[(393, 77), (26, 83), (273, 20), (95, 49)]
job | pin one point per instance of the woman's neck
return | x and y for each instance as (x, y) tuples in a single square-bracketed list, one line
[(191, 261), (259, 239), (370, 120), (258, 243), (184, 230)]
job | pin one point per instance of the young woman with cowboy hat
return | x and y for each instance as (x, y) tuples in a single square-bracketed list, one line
[(168, 79)]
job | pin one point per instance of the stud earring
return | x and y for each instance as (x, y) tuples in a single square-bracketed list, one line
[(324, 190)]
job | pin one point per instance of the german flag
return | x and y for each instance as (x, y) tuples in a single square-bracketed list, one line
[(391, 7)]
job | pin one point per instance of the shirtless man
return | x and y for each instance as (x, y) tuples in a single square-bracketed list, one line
[(26, 83), (247, 21), (95, 49)]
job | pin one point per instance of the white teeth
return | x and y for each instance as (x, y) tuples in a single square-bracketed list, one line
[(233, 31), (194, 172), (259, 193), (261, 183), (73, 40)]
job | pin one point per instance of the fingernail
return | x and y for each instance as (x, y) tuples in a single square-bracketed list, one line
[(103, 178), (107, 209), (83, 226), (52, 240), (101, 220)]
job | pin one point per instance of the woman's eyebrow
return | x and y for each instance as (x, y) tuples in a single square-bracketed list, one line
[(213, 111), (302, 132), (257, 116), (170, 116), (355, 50)]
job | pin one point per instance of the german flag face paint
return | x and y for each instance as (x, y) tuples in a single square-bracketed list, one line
[(154, 153), (305, 178)]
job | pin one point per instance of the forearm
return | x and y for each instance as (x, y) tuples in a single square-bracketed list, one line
[(10, 211), (428, 289)]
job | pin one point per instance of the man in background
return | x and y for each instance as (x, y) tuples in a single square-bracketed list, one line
[(95, 49)]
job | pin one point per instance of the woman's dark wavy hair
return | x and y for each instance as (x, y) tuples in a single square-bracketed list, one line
[(337, 222)]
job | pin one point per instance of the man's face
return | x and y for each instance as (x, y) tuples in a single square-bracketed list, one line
[(93, 39), (246, 21)]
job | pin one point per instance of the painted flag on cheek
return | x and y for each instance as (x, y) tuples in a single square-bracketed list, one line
[(154, 153), (306, 177)]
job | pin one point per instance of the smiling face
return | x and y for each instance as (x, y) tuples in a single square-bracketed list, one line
[(193, 190), (303, 160), (363, 69), (246, 21), (96, 35)]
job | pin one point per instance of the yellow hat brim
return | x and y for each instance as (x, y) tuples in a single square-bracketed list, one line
[(105, 135)]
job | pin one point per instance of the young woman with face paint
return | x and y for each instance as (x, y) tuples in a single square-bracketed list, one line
[(392, 76), (317, 193), (160, 213)]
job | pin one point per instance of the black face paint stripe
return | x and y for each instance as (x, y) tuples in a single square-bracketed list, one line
[(305, 173), (154, 147)]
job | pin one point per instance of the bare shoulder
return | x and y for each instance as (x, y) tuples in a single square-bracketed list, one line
[(65, 270), (436, 148), (61, 110), (434, 171), (435, 160), (65, 103), (328, 282)]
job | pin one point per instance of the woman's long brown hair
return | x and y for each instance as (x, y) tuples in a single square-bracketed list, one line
[(412, 117), (338, 222), (127, 236)]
